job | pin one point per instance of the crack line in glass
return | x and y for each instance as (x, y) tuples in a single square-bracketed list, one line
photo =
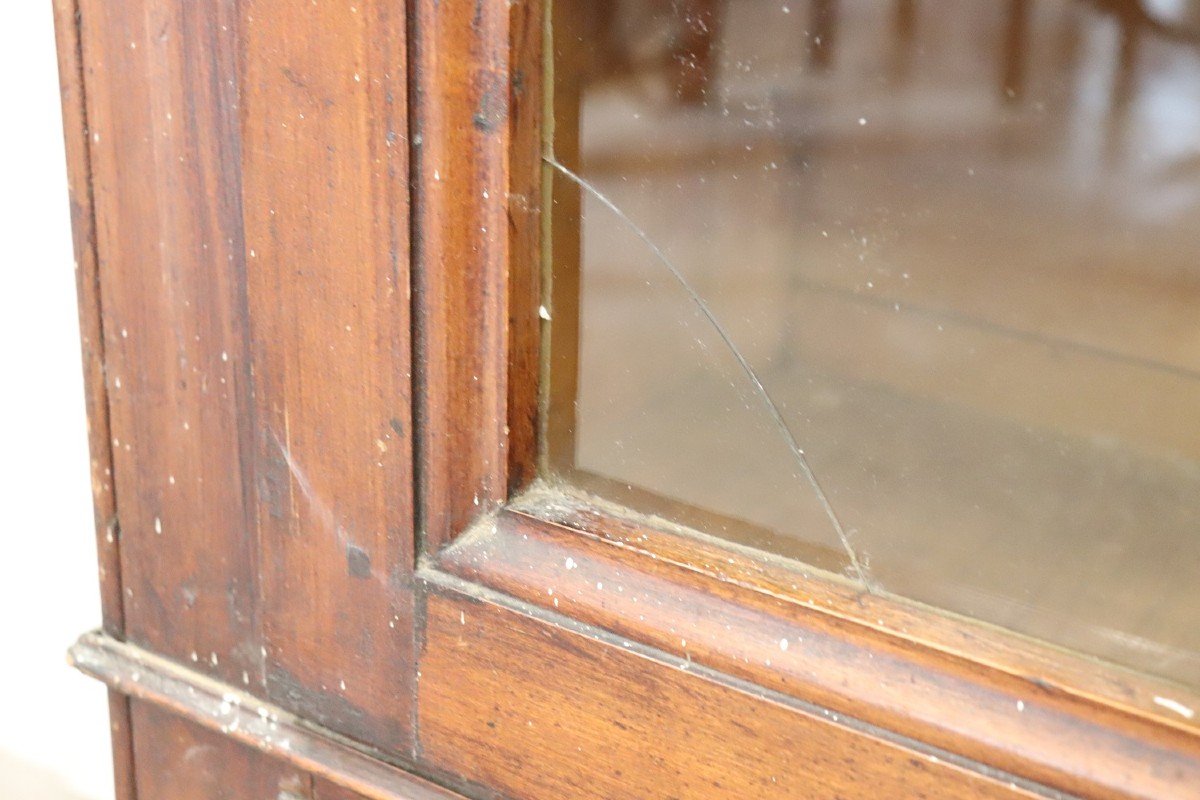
[(759, 388)]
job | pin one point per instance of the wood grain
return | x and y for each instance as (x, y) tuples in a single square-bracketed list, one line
[(525, 227), (324, 170), (477, 222), (1016, 715), (162, 121), (556, 712), (91, 328), (176, 758), (87, 282), (249, 722)]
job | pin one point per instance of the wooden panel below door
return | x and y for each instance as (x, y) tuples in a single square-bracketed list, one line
[(177, 759)]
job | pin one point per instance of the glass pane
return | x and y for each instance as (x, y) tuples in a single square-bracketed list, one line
[(907, 291)]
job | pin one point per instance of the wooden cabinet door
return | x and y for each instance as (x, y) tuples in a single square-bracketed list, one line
[(338, 555)]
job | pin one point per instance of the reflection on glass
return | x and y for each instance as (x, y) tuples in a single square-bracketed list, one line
[(959, 246)]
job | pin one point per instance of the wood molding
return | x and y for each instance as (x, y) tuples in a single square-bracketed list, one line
[(557, 708), (1054, 719), (143, 676), (476, 122)]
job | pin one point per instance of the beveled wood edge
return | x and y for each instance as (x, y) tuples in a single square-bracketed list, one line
[(76, 140), (476, 173), (448, 585), (139, 674), (73, 94), (991, 696), (832, 747)]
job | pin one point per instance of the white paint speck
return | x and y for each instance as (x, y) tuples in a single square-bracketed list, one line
[(570, 563), (1020, 705), (1176, 706), (544, 313), (158, 526), (862, 120), (783, 644)]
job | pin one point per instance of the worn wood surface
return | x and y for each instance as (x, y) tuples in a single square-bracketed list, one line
[(871, 663), (87, 284), (324, 174), (87, 281), (228, 711), (557, 712), (176, 758), (162, 123), (247, 298)]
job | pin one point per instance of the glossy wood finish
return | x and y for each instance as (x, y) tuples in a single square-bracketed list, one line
[(477, 158), (248, 185), (324, 167), (162, 121), (1027, 710), (250, 279), (556, 711)]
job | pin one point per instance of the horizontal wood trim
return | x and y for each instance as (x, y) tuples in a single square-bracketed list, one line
[(226, 709), (540, 707), (1020, 707)]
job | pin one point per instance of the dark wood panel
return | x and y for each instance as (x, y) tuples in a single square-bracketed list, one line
[(163, 131), (1022, 722), (176, 758), (325, 167), (553, 712), (475, 209)]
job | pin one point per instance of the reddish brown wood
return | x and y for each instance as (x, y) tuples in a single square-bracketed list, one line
[(475, 214), (176, 758), (324, 170), (324, 790), (554, 712), (251, 723), (245, 255), (525, 224), (869, 664), (162, 124), (121, 735), (87, 283)]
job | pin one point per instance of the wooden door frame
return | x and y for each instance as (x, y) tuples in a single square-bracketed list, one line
[(561, 646), (965, 700)]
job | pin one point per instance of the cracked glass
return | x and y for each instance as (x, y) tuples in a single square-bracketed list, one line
[(906, 292)]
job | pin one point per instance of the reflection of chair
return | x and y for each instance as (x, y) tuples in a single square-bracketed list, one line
[(687, 33), (690, 49)]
